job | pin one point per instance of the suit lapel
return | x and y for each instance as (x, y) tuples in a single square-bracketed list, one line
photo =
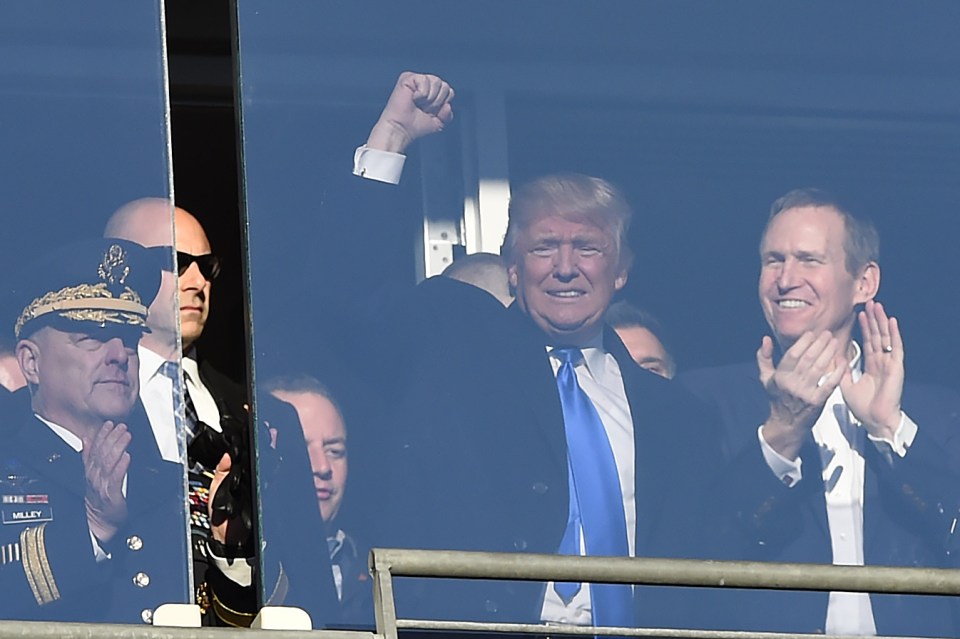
[(533, 373), (812, 470), (872, 506), (648, 437)]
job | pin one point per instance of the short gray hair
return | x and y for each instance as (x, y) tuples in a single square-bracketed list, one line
[(861, 243), (572, 196)]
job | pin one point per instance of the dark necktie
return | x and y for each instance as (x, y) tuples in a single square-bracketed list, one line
[(198, 493), (596, 501), (187, 424)]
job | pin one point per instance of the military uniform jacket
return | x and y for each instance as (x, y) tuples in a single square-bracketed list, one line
[(49, 570)]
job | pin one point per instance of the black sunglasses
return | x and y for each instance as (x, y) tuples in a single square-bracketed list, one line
[(208, 264)]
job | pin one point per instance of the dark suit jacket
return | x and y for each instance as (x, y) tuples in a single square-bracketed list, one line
[(229, 395), (480, 460), (233, 604), (295, 561), (909, 507), (43, 489)]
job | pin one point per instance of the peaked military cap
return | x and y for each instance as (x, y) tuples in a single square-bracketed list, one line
[(106, 283)]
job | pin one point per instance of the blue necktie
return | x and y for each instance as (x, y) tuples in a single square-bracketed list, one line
[(596, 502)]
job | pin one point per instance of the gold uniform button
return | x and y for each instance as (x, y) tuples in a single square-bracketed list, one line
[(141, 580), (134, 543), (147, 615)]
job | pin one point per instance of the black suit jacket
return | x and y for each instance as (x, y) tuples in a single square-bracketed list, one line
[(480, 459), (232, 603), (909, 507), (42, 486), (230, 396)]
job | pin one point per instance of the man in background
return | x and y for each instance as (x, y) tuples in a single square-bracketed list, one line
[(485, 271), (215, 419), (642, 335), (325, 436)]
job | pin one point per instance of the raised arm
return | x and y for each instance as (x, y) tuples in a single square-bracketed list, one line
[(420, 104)]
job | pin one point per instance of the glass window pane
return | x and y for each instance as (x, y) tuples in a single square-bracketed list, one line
[(460, 420), (99, 535)]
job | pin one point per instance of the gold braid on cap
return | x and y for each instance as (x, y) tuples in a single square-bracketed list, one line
[(92, 302)]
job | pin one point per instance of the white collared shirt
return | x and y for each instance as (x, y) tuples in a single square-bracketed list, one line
[(156, 393), (600, 378)]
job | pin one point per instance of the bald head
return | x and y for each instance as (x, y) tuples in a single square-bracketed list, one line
[(483, 270), (147, 221)]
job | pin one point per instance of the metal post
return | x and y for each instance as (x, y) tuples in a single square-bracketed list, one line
[(384, 605)]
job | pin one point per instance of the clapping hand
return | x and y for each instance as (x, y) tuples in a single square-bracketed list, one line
[(105, 463)]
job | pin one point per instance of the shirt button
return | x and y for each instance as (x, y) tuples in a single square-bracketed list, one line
[(147, 615), (134, 543), (141, 580), (540, 488)]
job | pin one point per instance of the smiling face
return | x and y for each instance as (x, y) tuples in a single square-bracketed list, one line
[(81, 379), (804, 282), (326, 439), (565, 273)]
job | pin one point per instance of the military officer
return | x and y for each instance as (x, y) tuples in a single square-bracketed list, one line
[(93, 524)]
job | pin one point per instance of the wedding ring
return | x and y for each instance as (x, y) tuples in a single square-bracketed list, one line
[(822, 381), (888, 349)]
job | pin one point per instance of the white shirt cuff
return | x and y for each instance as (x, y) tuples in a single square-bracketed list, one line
[(374, 164), (902, 439), (239, 570), (787, 470)]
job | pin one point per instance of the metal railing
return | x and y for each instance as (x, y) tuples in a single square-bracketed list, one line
[(388, 563), (385, 564)]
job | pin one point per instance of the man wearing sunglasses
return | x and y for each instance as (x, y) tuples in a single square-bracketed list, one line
[(214, 405)]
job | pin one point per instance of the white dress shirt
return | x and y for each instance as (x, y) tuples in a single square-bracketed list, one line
[(200, 395), (156, 393), (599, 376), (841, 440)]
